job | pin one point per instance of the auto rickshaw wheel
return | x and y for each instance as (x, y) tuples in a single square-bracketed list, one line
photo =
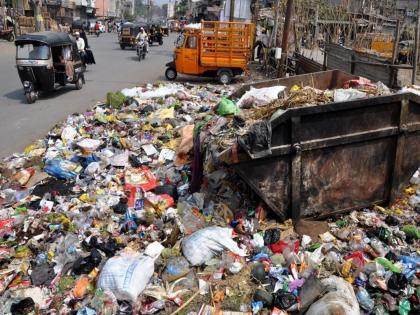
[(161, 42), (79, 83), (30, 97), (122, 46), (225, 77), (171, 74), (11, 37)]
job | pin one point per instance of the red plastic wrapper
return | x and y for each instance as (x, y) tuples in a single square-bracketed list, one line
[(280, 246), (357, 258), (360, 82)]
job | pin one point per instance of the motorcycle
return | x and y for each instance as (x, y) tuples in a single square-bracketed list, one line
[(141, 49), (7, 34)]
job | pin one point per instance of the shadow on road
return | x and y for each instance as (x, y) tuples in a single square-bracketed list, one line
[(191, 79), (16, 95)]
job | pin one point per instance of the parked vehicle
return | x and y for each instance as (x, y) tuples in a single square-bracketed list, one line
[(40, 64), (221, 49), (129, 33)]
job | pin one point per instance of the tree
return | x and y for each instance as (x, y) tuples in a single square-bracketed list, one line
[(182, 8)]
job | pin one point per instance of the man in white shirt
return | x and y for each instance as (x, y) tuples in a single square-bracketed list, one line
[(80, 42), (80, 46), (142, 36)]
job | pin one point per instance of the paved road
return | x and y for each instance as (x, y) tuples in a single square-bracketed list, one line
[(115, 69)]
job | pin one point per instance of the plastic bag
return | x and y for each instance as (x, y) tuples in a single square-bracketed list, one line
[(227, 107), (258, 139), (411, 231), (176, 268), (365, 300), (388, 265), (62, 169), (397, 282), (271, 236), (168, 89), (284, 300), (342, 95), (126, 276), (339, 300), (261, 97), (68, 134), (116, 99), (204, 244)]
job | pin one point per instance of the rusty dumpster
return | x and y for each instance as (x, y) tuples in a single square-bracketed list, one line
[(336, 157)]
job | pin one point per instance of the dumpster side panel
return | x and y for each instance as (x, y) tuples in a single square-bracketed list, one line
[(411, 161), (345, 122), (413, 112), (270, 179), (344, 177), (281, 135)]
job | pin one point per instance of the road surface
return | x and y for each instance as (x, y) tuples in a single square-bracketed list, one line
[(115, 69)]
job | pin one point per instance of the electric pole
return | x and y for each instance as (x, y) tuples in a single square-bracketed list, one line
[(416, 45), (285, 40)]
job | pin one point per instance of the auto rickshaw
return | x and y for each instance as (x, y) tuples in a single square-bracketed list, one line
[(78, 26), (40, 62), (155, 34), (129, 33), (174, 26), (165, 28)]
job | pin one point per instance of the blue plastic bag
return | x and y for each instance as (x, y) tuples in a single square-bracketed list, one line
[(62, 169)]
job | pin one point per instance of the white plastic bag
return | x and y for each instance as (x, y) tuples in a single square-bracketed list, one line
[(339, 300), (127, 275), (342, 95), (261, 97), (68, 134), (162, 91), (204, 244)]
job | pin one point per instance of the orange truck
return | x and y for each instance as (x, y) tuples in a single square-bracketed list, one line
[(218, 49)]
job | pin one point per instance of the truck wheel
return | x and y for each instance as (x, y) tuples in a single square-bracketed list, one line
[(170, 74), (79, 83), (225, 77), (122, 46)]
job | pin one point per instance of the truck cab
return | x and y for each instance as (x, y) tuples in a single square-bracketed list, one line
[(187, 53)]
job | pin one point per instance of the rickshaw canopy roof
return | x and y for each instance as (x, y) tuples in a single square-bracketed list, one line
[(48, 38)]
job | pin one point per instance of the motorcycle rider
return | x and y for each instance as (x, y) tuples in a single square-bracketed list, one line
[(142, 36), (97, 28)]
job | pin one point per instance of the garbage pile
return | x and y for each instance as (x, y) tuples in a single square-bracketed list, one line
[(116, 211)]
